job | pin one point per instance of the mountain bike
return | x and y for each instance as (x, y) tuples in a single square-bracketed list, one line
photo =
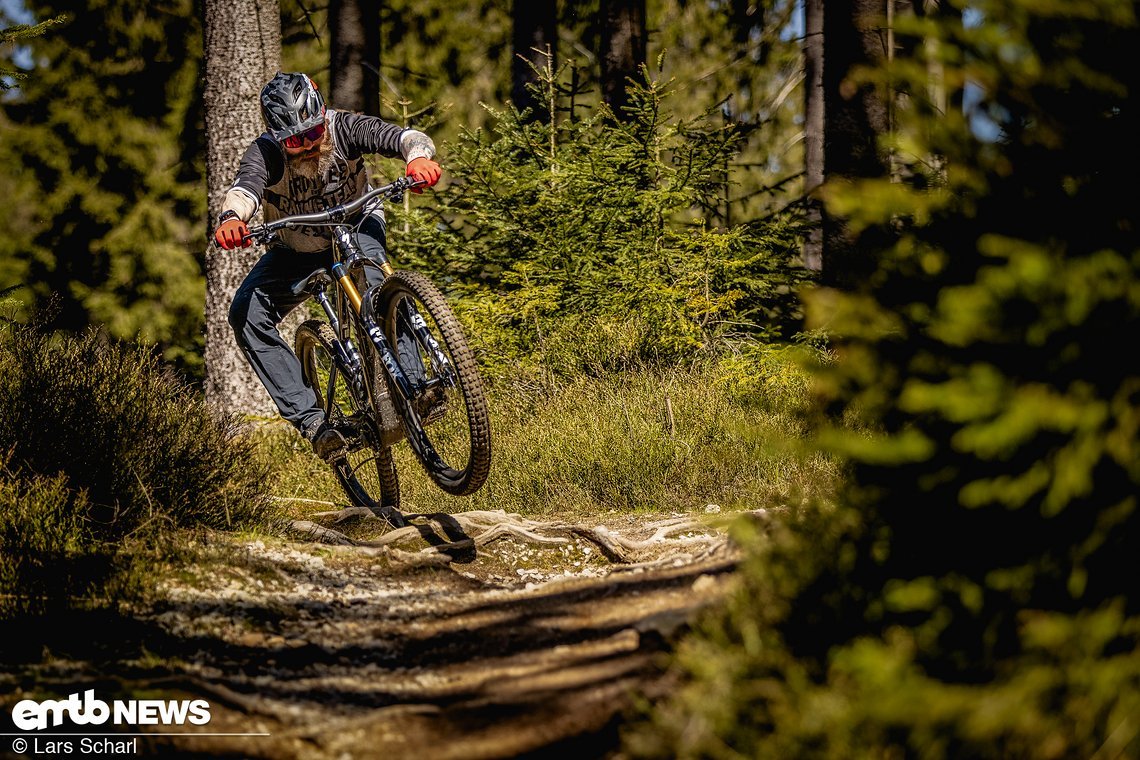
[(388, 363)]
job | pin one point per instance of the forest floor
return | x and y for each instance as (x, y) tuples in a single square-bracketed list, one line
[(475, 635)]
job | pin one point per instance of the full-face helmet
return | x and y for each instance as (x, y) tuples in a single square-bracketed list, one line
[(291, 104)]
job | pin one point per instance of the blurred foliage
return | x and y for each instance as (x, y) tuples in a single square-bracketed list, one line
[(103, 449), (103, 149), (586, 246), (974, 594), (15, 35)]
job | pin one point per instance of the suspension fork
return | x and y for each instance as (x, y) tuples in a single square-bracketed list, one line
[(428, 341), (353, 257), (342, 273)]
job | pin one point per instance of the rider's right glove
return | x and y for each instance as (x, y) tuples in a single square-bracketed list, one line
[(232, 232)]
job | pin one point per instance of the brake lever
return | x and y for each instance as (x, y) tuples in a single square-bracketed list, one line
[(401, 185), (260, 236)]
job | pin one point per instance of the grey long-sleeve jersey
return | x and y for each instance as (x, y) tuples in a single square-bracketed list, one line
[(264, 174)]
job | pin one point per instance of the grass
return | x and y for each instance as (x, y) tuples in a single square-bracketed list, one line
[(595, 445), (106, 460)]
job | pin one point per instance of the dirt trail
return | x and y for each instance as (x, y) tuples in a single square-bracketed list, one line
[(496, 642)]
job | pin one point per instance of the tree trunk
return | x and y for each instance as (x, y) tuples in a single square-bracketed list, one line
[(813, 131), (354, 55), (243, 51), (855, 116), (534, 25), (623, 49)]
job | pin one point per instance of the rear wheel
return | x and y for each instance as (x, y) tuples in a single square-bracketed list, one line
[(447, 423), (367, 472)]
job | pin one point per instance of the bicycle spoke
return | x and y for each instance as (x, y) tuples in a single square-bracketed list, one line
[(367, 460), (366, 473)]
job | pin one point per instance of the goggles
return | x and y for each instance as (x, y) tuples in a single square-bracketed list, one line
[(298, 140)]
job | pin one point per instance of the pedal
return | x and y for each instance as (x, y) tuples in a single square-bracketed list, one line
[(330, 445)]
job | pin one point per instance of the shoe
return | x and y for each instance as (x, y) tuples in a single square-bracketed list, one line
[(328, 443)]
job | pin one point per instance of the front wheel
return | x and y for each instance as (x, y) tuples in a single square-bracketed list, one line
[(367, 473), (446, 422)]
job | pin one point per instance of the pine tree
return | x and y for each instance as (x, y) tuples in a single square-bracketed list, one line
[(622, 51), (813, 132), (100, 159), (243, 52), (15, 35), (588, 245), (354, 55), (534, 44), (744, 61)]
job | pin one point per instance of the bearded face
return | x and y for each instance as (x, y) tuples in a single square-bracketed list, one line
[(312, 161)]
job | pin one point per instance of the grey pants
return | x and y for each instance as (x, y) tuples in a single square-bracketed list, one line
[(264, 298)]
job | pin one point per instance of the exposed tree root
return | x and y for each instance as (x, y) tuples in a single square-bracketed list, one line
[(673, 539), (320, 533)]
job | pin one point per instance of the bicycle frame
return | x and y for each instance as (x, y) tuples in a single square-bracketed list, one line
[(351, 307)]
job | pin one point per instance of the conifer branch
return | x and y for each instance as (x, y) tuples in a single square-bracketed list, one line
[(16, 34)]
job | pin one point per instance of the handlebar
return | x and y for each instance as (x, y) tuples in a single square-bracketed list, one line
[(264, 232)]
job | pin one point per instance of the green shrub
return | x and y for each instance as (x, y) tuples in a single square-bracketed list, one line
[(49, 559), (122, 429), (590, 245), (104, 448)]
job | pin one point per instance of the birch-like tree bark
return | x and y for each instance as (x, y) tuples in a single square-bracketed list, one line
[(243, 52)]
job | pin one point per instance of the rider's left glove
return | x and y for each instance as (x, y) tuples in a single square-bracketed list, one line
[(424, 170), (232, 233)]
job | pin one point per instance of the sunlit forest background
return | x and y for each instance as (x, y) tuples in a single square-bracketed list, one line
[(940, 424), (128, 151)]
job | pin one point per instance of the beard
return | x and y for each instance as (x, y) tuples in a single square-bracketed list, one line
[(313, 164)]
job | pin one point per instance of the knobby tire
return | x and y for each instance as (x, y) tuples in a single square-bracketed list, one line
[(455, 450)]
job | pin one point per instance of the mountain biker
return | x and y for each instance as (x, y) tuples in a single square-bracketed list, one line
[(309, 158)]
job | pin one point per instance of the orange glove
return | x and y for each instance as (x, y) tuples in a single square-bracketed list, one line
[(232, 233), (424, 170)]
